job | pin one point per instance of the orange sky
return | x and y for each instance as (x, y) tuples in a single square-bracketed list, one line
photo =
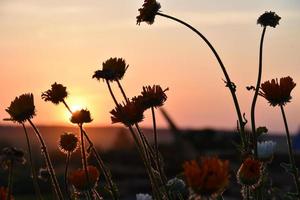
[(43, 41)]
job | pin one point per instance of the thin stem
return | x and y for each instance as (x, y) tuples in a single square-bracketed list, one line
[(254, 140), (83, 158), (122, 91), (97, 194), (66, 175), (230, 84), (10, 179), (31, 163), (67, 106), (111, 93), (48, 162), (291, 154)]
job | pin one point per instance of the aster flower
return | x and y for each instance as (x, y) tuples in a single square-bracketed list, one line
[(207, 177), (141, 196), (249, 173), (128, 114), (148, 12), (79, 181), (68, 143), (151, 97), (56, 94), (81, 116), (11, 154), (265, 150), (22, 108), (269, 19), (113, 69), (277, 93)]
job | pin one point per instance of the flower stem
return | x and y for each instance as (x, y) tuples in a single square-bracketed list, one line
[(31, 163), (84, 160), (48, 162), (112, 93), (254, 135), (230, 84), (66, 175), (291, 154), (10, 180)]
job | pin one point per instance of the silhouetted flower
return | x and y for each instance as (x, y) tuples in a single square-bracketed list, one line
[(269, 19), (113, 69), (209, 177), (68, 143), (128, 114), (56, 94), (79, 181), (81, 116), (148, 12), (3, 194), (141, 196), (177, 187), (44, 174), (277, 93), (249, 172), (22, 108), (11, 154), (265, 150), (151, 97)]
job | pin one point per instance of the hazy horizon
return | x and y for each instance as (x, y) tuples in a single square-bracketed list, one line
[(47, 41)]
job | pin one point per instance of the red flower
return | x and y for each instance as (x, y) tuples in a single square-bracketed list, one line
[(79, 181), (250, 172)]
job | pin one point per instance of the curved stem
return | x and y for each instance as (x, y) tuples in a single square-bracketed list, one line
[(66, 175), (31, 163), (48, 162), (254, 140), (229, 84), (291, 154), (10, 179)]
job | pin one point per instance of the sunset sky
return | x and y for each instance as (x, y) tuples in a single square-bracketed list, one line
[(64, 41)]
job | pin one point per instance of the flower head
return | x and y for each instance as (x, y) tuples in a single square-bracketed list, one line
[(277, 93), (148, 12), (79, 181), (11, 154), (22, 108), (177, 187), (44, 174), (56, 94), (81, 116), (151, 97), (68, 143), (141, 196), (113, 69), (265, 150), (249, 172), (128, 114), (269, 19), (3, 194), (208, 177)]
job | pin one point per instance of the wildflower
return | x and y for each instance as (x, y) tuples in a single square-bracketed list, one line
[(278, 93), (79, 181), (68, 143), (269, 19), (148, 12), (11, 154), (141, 196), (56, 94), (151, 97), (209, 177), (112, 70), (3, 194), (22, 108), (81, 116), (265, 150), (177, 187), (44, 174), (128, 114), (250, 172)]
